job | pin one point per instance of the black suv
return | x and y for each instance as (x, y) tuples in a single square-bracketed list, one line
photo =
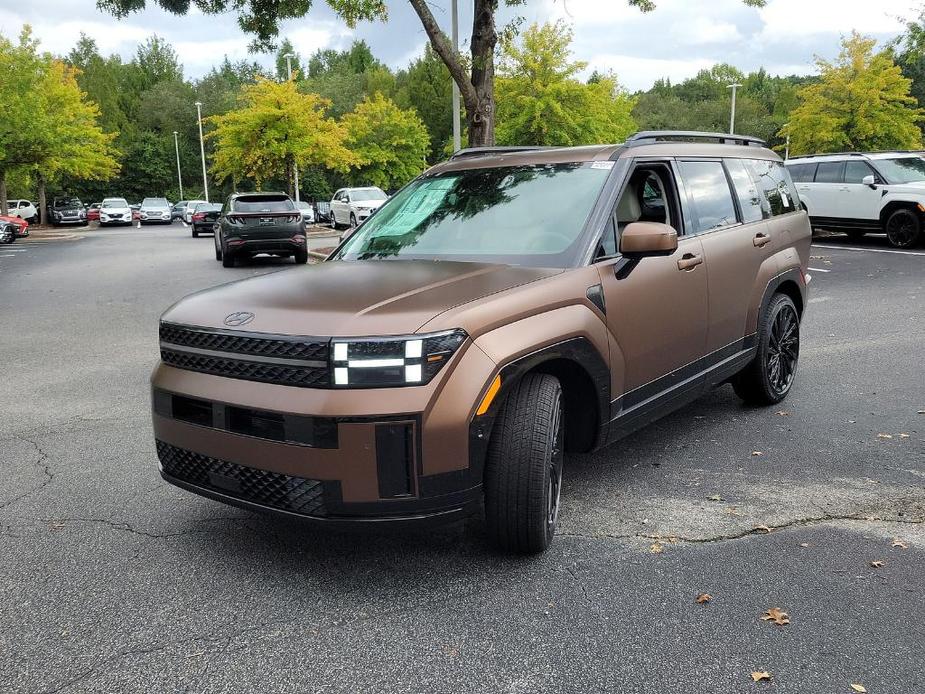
[(253, 223), (67, 210)]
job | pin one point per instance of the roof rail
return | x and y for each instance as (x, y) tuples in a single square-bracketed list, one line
[(648, 137), (832, 154), (488, 151)]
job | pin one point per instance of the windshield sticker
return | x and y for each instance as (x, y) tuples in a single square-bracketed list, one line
[(602, 165)]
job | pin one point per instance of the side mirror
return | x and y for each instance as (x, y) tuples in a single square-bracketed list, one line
[(869, 180), (641, 239)]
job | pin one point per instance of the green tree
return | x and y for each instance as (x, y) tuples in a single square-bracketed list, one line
[(425, 85), (541, 101), (273, 127), (282, 67), (475, 76), (861, 102), (390, 144)]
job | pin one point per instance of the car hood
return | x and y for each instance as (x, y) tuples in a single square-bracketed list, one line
[(916, 187), (342, 299), (115, 210), (370, 204)]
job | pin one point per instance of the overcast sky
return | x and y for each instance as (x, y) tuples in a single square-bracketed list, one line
[(676, 40)]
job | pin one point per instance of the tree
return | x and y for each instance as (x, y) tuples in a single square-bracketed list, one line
[(541, 101), (273, 127), (426, 87), (282, 66), (390, 144), (861, 102), (475, 77)]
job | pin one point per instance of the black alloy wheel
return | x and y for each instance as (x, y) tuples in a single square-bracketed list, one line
[(783, 349), (903, 228)]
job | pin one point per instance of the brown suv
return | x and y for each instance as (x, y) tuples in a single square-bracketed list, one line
[(507, 305)]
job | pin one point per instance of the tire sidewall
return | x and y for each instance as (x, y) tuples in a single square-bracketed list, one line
[(916, 220), (779, 302)]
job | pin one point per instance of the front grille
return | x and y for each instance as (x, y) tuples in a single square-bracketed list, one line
[(281, 374), (270, 489), (281, 347)]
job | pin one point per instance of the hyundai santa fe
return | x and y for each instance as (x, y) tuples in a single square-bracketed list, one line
[(507, 306)]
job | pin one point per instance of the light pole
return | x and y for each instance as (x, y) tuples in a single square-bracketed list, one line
[(295, 166), (202, 151), (457, 140), (732, 115), (176, 144)]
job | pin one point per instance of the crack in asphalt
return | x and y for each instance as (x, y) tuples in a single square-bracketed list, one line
[(127, 527), (798, 522), (42, 462)]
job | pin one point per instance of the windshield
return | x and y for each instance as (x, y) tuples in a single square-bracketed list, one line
[(303, 205), (67, 202), (154, 202), (901, 169), (115, 202), (207, 207), (263, 203), (367, 194), (523, 215)]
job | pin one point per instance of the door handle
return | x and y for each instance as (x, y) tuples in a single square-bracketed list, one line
[(761, 239), (689, 261)]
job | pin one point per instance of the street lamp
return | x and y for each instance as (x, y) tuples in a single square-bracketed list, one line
[(295, 166), (202, 151), (176, 144), (457, 141), (732, 115)]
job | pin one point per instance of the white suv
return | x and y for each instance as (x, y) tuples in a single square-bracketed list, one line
[(115, 211), (351, 206), (24, 209), (861, 192)]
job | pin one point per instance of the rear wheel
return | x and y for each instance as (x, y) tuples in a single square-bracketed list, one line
[(218, 247), (523, 468), (227, 259), (301, 256), (769, 376), (194, 232), (903, 228)]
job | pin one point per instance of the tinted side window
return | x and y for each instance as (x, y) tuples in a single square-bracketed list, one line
[(802, 173), (746, 190), (710, 195), (830, 172), (774, 185), (855, 171)]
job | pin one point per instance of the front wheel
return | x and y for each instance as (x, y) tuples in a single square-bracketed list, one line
[(903, 229), (333, 221), (769, 376), (523, 468), (353, 221)]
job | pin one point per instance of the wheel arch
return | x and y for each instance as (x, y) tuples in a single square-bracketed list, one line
[(892, 205)]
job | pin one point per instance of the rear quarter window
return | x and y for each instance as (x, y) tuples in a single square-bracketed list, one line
[(775, 186), (802, 173)]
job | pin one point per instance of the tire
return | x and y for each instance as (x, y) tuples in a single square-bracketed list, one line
[(334, 225), (903, 228), (523, 467), (227, 259), (353, 221), (218, 250), (301, 256), (769, 376), (194, 232)]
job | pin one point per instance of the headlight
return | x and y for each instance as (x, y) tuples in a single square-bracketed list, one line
[(409, 360)]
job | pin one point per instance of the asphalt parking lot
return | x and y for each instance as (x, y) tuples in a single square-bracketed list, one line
[(113, 581)]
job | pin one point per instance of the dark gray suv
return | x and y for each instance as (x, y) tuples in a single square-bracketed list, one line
[(253, 223)]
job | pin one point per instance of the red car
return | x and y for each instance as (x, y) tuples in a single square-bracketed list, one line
[(22, 226), (93, 212)]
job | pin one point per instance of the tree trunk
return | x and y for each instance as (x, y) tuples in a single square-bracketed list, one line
[(43, 207), (480, 110), (4, 203)]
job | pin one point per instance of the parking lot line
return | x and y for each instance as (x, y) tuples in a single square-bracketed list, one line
[(818, 269), (869, 250)]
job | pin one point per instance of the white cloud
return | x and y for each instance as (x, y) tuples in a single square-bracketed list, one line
[(702, 31), (784, 19)]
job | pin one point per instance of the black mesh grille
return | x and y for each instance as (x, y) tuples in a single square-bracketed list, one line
[(301, 376), (270, 489), (310, 349)]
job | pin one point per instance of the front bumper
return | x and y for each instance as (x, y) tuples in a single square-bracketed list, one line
[(333, 456), (123, 219), (155, 217)]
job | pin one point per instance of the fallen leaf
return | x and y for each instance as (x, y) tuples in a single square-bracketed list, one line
[(904, 436), (783, 413), (884, 436), (877, 564), (921, 412), (858, 688), (776, 615), (757, 453), (703, 598), (656, 548), (715, 497), (900, 544), (804, 544), (762, 528), (759, 675), (733, 511)]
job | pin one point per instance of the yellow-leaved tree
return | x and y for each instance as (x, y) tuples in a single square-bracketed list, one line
[(860, 103), (390, 144), (274, 126)]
